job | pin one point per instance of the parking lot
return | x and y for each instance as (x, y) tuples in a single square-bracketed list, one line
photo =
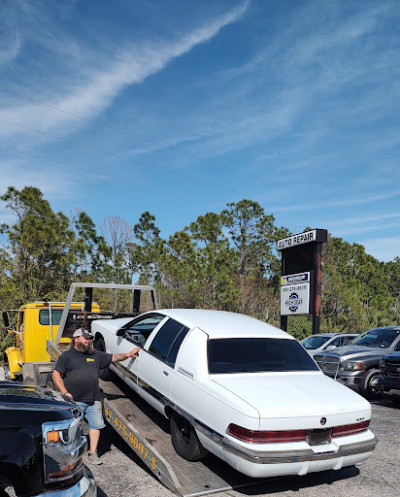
[(123, 474)]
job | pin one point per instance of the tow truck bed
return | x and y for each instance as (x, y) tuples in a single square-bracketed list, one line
[(147, 433)]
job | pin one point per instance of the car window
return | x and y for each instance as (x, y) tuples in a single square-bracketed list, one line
[(169, 338), (256, 355), (377, 337), (314, 342), (337, 342), (138, 330), (144, 325), (44, 316)]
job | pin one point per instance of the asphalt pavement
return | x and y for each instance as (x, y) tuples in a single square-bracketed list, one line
[(122, 474)]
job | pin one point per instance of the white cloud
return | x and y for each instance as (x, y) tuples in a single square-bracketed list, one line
[(54, 182), (383, 249), (95, 88)]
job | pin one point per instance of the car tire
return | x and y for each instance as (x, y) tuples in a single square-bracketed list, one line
[(369, 386), (105, 373), (49, 382), (184, 439)]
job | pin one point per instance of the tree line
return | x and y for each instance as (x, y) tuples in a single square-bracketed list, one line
[(226, 260)]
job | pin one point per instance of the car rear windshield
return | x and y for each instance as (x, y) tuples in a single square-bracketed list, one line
[(257, 355), (377, 337)]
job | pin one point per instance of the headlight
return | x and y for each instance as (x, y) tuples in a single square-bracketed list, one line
[(352, 366), (63, 448)]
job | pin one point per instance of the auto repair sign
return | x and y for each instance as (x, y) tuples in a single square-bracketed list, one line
[(295, 294)]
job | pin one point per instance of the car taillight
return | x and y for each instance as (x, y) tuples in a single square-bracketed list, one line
[(353, 429), (253, 436)]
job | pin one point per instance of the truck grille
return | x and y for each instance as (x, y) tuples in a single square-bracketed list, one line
[(391, 368), (327, 363), (392, 364)]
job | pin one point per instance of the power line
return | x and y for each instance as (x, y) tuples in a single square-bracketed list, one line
[(128, 159), (92, 171), (174, 150)]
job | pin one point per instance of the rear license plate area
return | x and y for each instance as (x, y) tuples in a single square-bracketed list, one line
[(319, 437)]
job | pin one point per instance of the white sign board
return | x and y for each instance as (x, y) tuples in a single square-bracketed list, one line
[(295, 294), (300, 239)]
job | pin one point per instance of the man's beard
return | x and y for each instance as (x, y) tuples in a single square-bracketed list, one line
[(87, 349)]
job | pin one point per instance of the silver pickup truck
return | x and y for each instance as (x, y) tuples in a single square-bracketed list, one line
[(357, 365)]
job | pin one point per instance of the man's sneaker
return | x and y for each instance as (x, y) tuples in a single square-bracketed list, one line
[(92, 459)]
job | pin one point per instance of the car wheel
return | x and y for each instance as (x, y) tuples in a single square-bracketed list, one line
[(184, 439), (105, 373), (49, 382), (369, 386)]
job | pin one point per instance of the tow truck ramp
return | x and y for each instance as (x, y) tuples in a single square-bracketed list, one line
[(147, 433)]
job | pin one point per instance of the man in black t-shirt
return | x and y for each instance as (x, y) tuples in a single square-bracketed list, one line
[(76, 374)]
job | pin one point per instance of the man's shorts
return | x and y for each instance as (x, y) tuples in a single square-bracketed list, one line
[(93, 414)]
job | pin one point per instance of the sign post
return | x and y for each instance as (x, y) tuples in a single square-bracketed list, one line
[(301, 275)]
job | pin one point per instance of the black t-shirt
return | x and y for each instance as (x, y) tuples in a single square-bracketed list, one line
[(80, 372)]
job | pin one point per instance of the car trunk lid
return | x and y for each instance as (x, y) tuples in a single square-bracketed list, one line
[(297, 400)]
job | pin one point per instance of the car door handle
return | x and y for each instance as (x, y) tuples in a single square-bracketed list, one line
[(166, 373)]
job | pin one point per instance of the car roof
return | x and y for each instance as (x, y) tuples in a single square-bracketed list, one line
[(381, 328), (222, 324), (324, 335), (333, 334)]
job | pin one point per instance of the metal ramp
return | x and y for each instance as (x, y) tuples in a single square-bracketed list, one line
[(147, 433)]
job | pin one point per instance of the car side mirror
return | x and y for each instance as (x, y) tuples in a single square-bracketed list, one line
[(6, 319), (397, 348), (120, 332), (331, 347)]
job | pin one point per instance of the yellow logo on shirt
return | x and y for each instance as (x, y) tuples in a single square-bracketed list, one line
[(89, 360)]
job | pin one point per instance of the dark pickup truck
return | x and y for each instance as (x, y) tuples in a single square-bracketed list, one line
[(357, 365), (41, 444), (389, 379)]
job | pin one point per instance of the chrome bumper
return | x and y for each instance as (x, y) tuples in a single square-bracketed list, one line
[(302, 455), (85, 487)]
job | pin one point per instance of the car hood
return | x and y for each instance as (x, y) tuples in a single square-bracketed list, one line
[(350, 351), (306, 397), (29, 397)]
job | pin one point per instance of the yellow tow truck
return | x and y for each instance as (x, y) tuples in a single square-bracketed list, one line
[(43, 329)]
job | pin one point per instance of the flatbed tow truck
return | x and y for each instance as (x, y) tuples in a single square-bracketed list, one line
[(144, 430)]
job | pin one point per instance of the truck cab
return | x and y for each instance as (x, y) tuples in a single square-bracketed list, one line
[(35, 324)]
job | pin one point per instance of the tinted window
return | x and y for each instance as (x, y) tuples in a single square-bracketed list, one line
[(377, 337), (44, 316), (256, 355), (166, 343)]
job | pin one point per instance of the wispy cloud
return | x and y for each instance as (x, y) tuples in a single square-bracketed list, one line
[(95, 88)]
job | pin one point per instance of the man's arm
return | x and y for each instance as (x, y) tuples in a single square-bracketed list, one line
[(126, 355), (59, 384)]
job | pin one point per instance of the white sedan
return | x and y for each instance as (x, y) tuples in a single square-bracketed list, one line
[(242, 389)]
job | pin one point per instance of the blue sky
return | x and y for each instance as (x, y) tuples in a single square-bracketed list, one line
[(180, 106)]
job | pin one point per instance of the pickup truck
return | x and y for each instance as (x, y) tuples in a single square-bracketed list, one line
[(389, 380), (41, 445), (357, 365)]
